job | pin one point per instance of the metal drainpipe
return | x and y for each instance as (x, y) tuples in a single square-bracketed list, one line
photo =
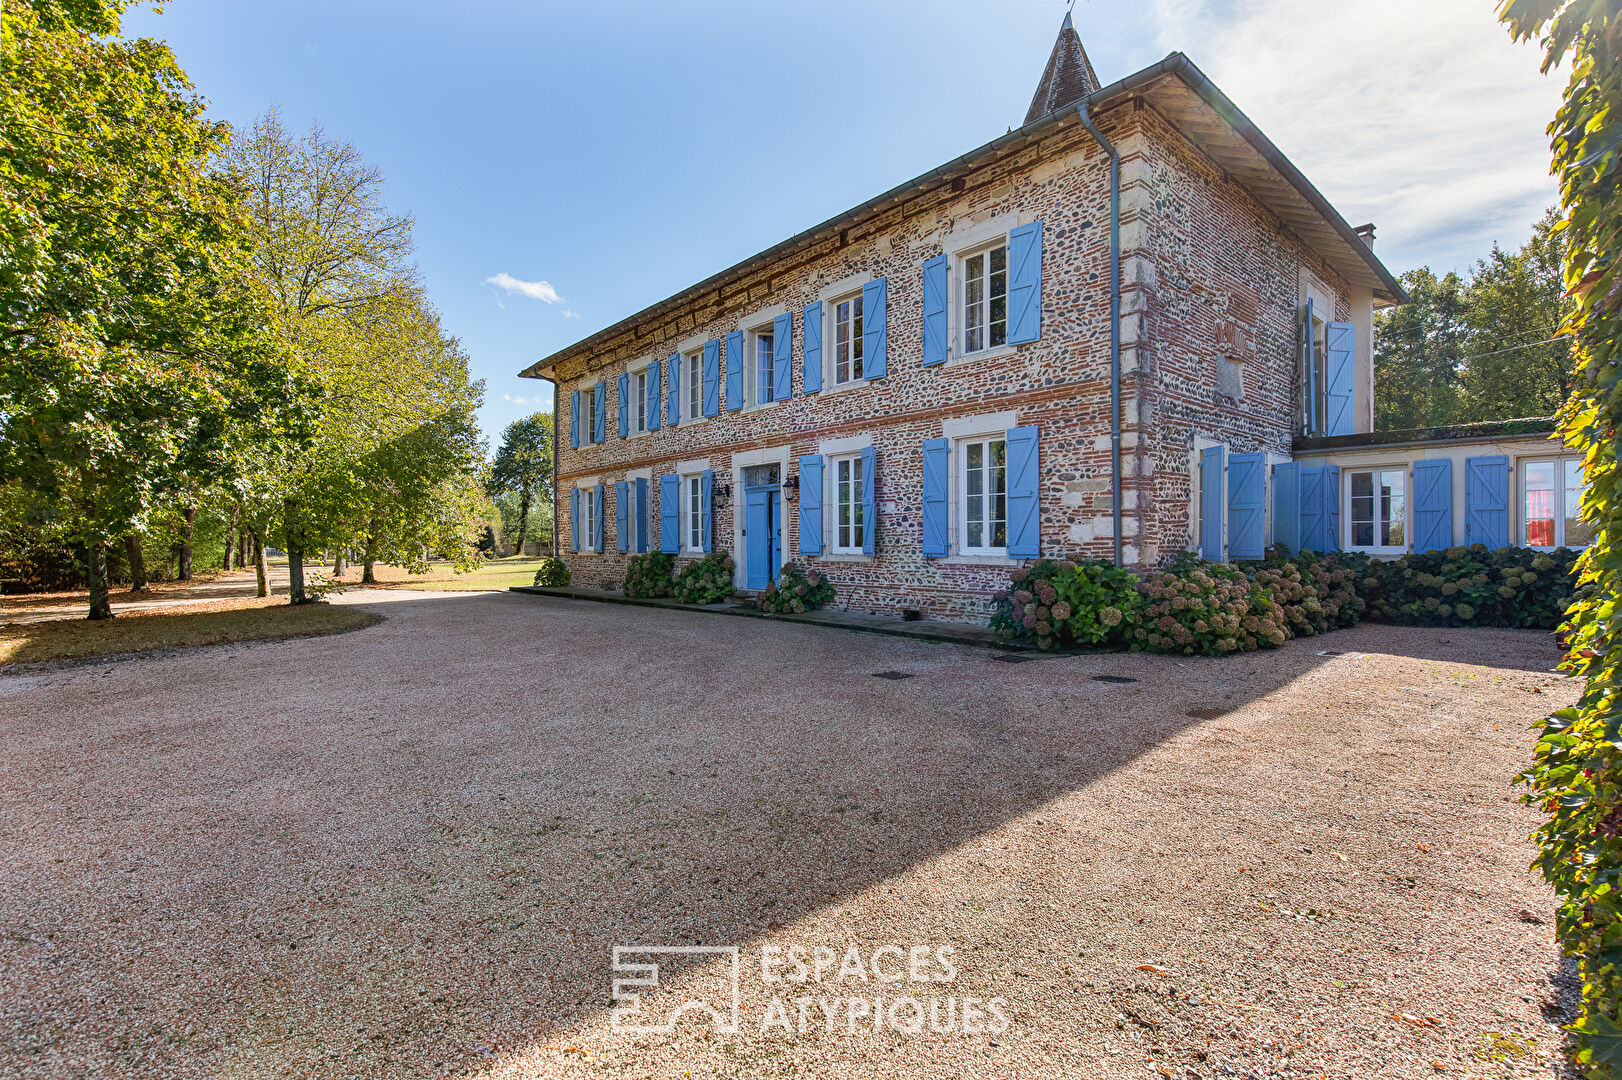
[(1114, 318)]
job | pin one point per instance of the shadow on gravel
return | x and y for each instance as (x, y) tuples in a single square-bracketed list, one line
[(381, 853)]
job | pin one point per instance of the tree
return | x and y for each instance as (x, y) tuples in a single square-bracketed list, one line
[(1576, 775), (1517, 366), (1419, 352), (523, 467), (131, 336)]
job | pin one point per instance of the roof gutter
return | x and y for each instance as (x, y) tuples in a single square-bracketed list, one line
[(1114, 320)]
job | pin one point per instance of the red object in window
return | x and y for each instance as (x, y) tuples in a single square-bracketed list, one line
[(1540, 519)]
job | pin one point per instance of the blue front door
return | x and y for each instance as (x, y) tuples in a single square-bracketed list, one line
[(761, 542)]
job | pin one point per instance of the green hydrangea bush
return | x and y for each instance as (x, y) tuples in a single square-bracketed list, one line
[(1061, 602), (707, 581), (796, 590), (650, 576), (552, 572), (1474, 586), (1318, 592), (1206, 609)]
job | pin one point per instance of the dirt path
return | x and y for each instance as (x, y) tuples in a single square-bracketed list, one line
[(410, 851)]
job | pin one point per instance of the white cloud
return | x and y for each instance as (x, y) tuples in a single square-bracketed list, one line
[(1423, 118), (567, 314), (521, 400), (535, 290)]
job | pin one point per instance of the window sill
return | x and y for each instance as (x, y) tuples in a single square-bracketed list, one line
[(845, 557), (760, 407), (978, 560), (995, 353)]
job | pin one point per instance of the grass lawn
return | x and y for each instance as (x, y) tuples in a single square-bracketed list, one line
[(495, 574), (213, 623)]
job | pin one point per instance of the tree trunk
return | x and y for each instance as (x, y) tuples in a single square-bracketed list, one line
[(230, 540), (339, 565), (189, 516), (100, 606), (137, 558), (523, 521), (261, 571), (294, 543)]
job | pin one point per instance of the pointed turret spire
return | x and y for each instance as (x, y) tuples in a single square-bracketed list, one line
[(1068, 76)]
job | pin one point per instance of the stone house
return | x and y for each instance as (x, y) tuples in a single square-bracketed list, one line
[(916, 395)]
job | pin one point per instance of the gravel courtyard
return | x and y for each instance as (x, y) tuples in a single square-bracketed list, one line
[(409, 850)]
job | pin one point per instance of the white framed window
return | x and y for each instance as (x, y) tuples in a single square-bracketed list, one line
[(1551, 504), (848, 523), (588, 519), (983, 496), (694, 362), (692, 510), (587, 416), (1377, 510), (639, 402), (847, 339), (984, 298), (765, 381)]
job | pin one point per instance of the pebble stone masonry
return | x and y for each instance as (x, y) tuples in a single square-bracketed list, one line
[(1213, 283)]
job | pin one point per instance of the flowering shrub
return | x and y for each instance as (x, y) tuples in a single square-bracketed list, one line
[(1060, 601), (651, 575), (796, 590), (707, 581), (1474, 586), (1319, 591), (552, 572), (1206, 609)]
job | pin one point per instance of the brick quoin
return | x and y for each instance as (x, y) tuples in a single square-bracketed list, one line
[(1199, 254)]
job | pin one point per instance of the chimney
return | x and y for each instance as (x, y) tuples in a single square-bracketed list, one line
[(1365, 233)]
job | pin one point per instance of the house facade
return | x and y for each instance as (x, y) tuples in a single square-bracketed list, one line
[(915, 396)]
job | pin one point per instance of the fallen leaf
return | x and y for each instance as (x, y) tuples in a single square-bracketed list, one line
[(1157, 969)]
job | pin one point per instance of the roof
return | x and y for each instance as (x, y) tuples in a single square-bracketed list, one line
[(1068, 76), (1185, 97), (1480, 431)]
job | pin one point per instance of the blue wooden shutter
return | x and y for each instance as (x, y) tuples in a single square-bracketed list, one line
[(783, 357), (654, 370), (735, 371), (641, 515), (1340, 361), (574, 419), (712, 377), (1486, 500), (1433, 504), (1287, 506), (1024, 486), (1331, 490), (811, 365), (625, 406), (1025, 283), (937, 454), (935, 311), (1247, 506), (707, 486), (1312, 509), (1211, 503), (670, 514), (597, 516), (811, 504), (1309, 373), (574, 519), (875, 337), (622, 503), (870, 502), (673, 396), (599, 413)]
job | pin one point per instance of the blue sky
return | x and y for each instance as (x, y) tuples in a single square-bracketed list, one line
[(616, 153)]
